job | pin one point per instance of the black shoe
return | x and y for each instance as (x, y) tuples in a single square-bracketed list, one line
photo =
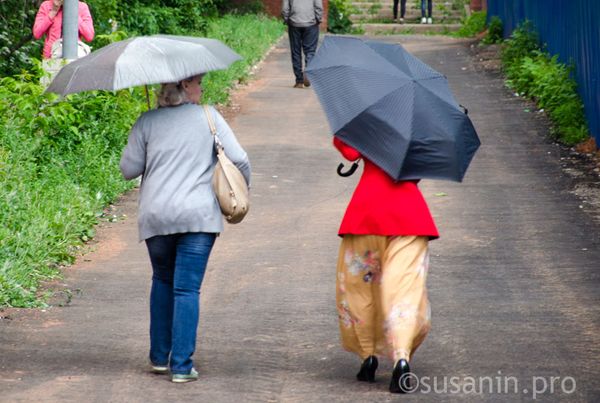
[(367, 369), (401, 382)]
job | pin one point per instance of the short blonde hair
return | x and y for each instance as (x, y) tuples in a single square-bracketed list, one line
[(173, 94)]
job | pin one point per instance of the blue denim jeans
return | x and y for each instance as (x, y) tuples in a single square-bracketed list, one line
[(178, 266), (302, 39), (429, 7)]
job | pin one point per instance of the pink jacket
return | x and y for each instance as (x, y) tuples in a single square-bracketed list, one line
[(52, 28)]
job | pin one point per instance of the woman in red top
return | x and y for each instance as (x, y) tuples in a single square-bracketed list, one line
[(48, 21), (382, 268)]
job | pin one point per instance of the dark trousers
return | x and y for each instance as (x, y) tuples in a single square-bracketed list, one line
[(429, 7), (302, 39), (402, 8)]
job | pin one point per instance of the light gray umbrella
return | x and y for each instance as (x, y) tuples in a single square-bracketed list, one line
[(393, 108), (143, 60)]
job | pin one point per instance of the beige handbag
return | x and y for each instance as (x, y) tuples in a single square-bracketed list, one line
[(57, 49), (228, 182)]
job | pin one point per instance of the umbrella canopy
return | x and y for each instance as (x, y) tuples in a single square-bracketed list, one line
[(143, 60), (396, 110)]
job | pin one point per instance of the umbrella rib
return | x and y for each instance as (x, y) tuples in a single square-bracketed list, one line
[(408, 82), (441, 99), (360, 68), (431, 78), (68, 86)]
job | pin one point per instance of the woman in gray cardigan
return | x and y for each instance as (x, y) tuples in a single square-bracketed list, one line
[(179, 217)]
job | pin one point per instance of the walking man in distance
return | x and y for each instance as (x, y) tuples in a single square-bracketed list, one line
[(302, 18)]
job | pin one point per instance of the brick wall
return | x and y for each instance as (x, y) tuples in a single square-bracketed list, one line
[(273, 7), (478, 5)]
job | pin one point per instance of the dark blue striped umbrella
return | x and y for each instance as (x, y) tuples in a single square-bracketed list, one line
[(393, 108)]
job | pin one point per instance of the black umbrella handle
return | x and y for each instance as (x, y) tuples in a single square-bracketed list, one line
[(349, 172), (464, 109)]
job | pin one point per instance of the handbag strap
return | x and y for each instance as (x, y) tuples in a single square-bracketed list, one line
[(213, 128)]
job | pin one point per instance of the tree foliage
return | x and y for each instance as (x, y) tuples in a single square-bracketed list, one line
[(16, 39), (339, 16), (137, 17)]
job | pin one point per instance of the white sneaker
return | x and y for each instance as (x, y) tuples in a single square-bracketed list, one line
[(183, 378), (401, 20), (160, 369), (429, 20), (423, 20)]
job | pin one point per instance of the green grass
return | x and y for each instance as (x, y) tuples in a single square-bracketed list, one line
[(58, 168), (249, 35), (59, 161)]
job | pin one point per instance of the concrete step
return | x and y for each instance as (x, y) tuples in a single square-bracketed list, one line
[(387, 29), (387, 18), (384, 4), (379, 11), (374, 10)]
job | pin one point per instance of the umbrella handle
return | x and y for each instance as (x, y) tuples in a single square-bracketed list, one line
[(465, 110), (349, 171), (147, 96)]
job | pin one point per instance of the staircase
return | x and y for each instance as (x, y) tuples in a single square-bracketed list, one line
[(376, 16)]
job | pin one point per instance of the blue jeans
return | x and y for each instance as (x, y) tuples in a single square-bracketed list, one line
[(178, 266), (302, 39), (429, 7)]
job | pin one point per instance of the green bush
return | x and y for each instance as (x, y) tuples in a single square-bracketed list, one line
[(104, 13), (339, 16), (459, 4), (495, 31), (246, 7), (532, 72), (472, 25), (147, 17), (137, 17), (524, 41), (59, 167)]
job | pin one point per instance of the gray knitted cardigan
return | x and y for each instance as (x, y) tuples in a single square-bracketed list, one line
[(172, 148)]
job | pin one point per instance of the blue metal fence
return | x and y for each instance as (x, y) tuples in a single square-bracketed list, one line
[(570, 29)]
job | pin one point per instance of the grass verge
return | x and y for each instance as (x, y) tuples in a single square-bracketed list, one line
[(532, 72)]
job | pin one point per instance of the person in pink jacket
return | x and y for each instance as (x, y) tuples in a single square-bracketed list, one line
[(48, 21)]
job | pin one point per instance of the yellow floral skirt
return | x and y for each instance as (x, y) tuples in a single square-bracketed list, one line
[(381, 294)]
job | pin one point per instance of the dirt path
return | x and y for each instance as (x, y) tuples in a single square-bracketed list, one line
[(514, 279)]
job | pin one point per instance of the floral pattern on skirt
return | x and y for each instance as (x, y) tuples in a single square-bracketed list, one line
[(381, 294), (366, 264)]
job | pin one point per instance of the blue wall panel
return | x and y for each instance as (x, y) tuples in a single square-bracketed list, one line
[(570, 29)]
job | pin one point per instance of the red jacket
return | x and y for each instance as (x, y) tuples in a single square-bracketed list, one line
[(381, 206), (52, 28)]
